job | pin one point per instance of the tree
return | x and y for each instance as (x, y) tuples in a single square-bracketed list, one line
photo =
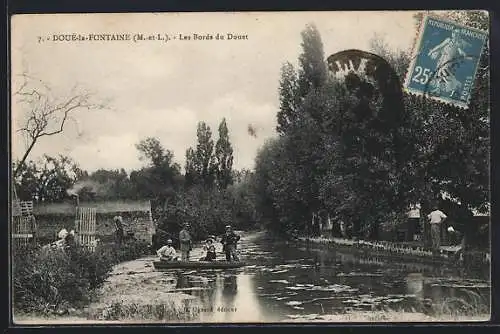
[(288, 93), (192, 168), (450, 155), (313, 70), (457, 154), (43, 113), (200, 164), (162, 176), (151, 149), (223, 157), (113, 184), (48, 179)]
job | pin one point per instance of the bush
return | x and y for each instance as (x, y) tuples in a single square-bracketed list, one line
[(128, 251), (46, 280)]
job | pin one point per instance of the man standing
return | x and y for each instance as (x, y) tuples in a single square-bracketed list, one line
[(436, 217), (185, 242), (229, 240), (118, 229)]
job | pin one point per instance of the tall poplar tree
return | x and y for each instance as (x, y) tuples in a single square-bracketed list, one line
[(200, 161), (288, 94), (223, 157)]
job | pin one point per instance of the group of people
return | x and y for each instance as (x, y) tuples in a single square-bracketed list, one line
[(228, 240)]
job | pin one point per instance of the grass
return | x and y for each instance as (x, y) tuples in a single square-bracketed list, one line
[(47, 281), (177, 310)]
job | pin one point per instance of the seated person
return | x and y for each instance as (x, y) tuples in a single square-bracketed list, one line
[(167, 252), (210, 248)]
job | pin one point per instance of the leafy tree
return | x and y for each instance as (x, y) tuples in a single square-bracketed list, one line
[(48, 179), (114, 184), (159, 180), (288, 93), (451, 145), (223, 157), (200, 164), (192, 168), (313, 69)]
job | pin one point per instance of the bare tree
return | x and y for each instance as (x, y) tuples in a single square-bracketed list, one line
[(46, 113)]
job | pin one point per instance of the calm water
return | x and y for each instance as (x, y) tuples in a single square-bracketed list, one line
[(285, 281)]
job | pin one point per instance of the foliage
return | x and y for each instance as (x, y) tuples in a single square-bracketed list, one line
[(47, 280), (288, 88), (47, 179), (128, 251), (312, 73), (200, 162), (206, 210), (223, 157), (159, 180), (335, 151), (451, 153)]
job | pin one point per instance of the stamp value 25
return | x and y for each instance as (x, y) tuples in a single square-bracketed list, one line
[(445, 60)]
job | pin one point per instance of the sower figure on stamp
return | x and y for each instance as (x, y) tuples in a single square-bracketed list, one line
[(436, 218), (229, 240), (185, 242), (448, 53)]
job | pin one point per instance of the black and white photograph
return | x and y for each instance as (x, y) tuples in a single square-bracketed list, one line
[(250, 167)]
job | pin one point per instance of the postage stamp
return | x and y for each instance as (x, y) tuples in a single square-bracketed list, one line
[(174, 152), (445, 60)]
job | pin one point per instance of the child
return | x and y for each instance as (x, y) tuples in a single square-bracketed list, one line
[(167, 253), (210, 248)]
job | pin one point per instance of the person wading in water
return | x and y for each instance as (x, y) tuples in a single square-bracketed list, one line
[(229, 240), (186, 242)]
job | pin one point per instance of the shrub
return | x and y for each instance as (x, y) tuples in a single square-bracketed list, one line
[(46, 280)]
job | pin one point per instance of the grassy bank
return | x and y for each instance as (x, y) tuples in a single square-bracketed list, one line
[(402, 250), (56, 281)]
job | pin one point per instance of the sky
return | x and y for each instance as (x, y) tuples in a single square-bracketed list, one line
[(158, 89)]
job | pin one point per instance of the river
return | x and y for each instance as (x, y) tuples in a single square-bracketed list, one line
[(284, 281), (287, 282)]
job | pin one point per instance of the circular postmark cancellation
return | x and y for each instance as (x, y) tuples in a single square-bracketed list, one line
[(445, 61), (374, 80)]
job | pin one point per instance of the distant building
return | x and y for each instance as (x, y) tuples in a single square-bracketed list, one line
[(136, 215)]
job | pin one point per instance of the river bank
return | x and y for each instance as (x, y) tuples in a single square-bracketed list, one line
[(403, 250), (282, 283)]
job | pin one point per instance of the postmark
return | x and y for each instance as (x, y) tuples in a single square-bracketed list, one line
[(445, 60)]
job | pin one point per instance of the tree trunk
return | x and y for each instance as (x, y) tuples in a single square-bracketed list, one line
[(23, 159)]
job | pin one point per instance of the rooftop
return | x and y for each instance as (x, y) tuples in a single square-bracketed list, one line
[(101, 207)]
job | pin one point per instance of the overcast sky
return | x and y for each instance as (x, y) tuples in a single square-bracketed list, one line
[(163, 89)]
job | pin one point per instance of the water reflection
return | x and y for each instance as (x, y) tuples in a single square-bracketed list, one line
[(288, 281), (415, 284)]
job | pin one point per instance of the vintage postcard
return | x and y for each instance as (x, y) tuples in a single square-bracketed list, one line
[(257, 167)]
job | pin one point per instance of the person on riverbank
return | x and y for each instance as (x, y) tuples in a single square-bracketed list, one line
[(118, 229), (167, 252), (436, 217), (210, 248), (229, 241), (185, 242)]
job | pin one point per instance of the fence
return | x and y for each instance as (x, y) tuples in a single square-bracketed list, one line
[(24, 227), (85, 227)]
